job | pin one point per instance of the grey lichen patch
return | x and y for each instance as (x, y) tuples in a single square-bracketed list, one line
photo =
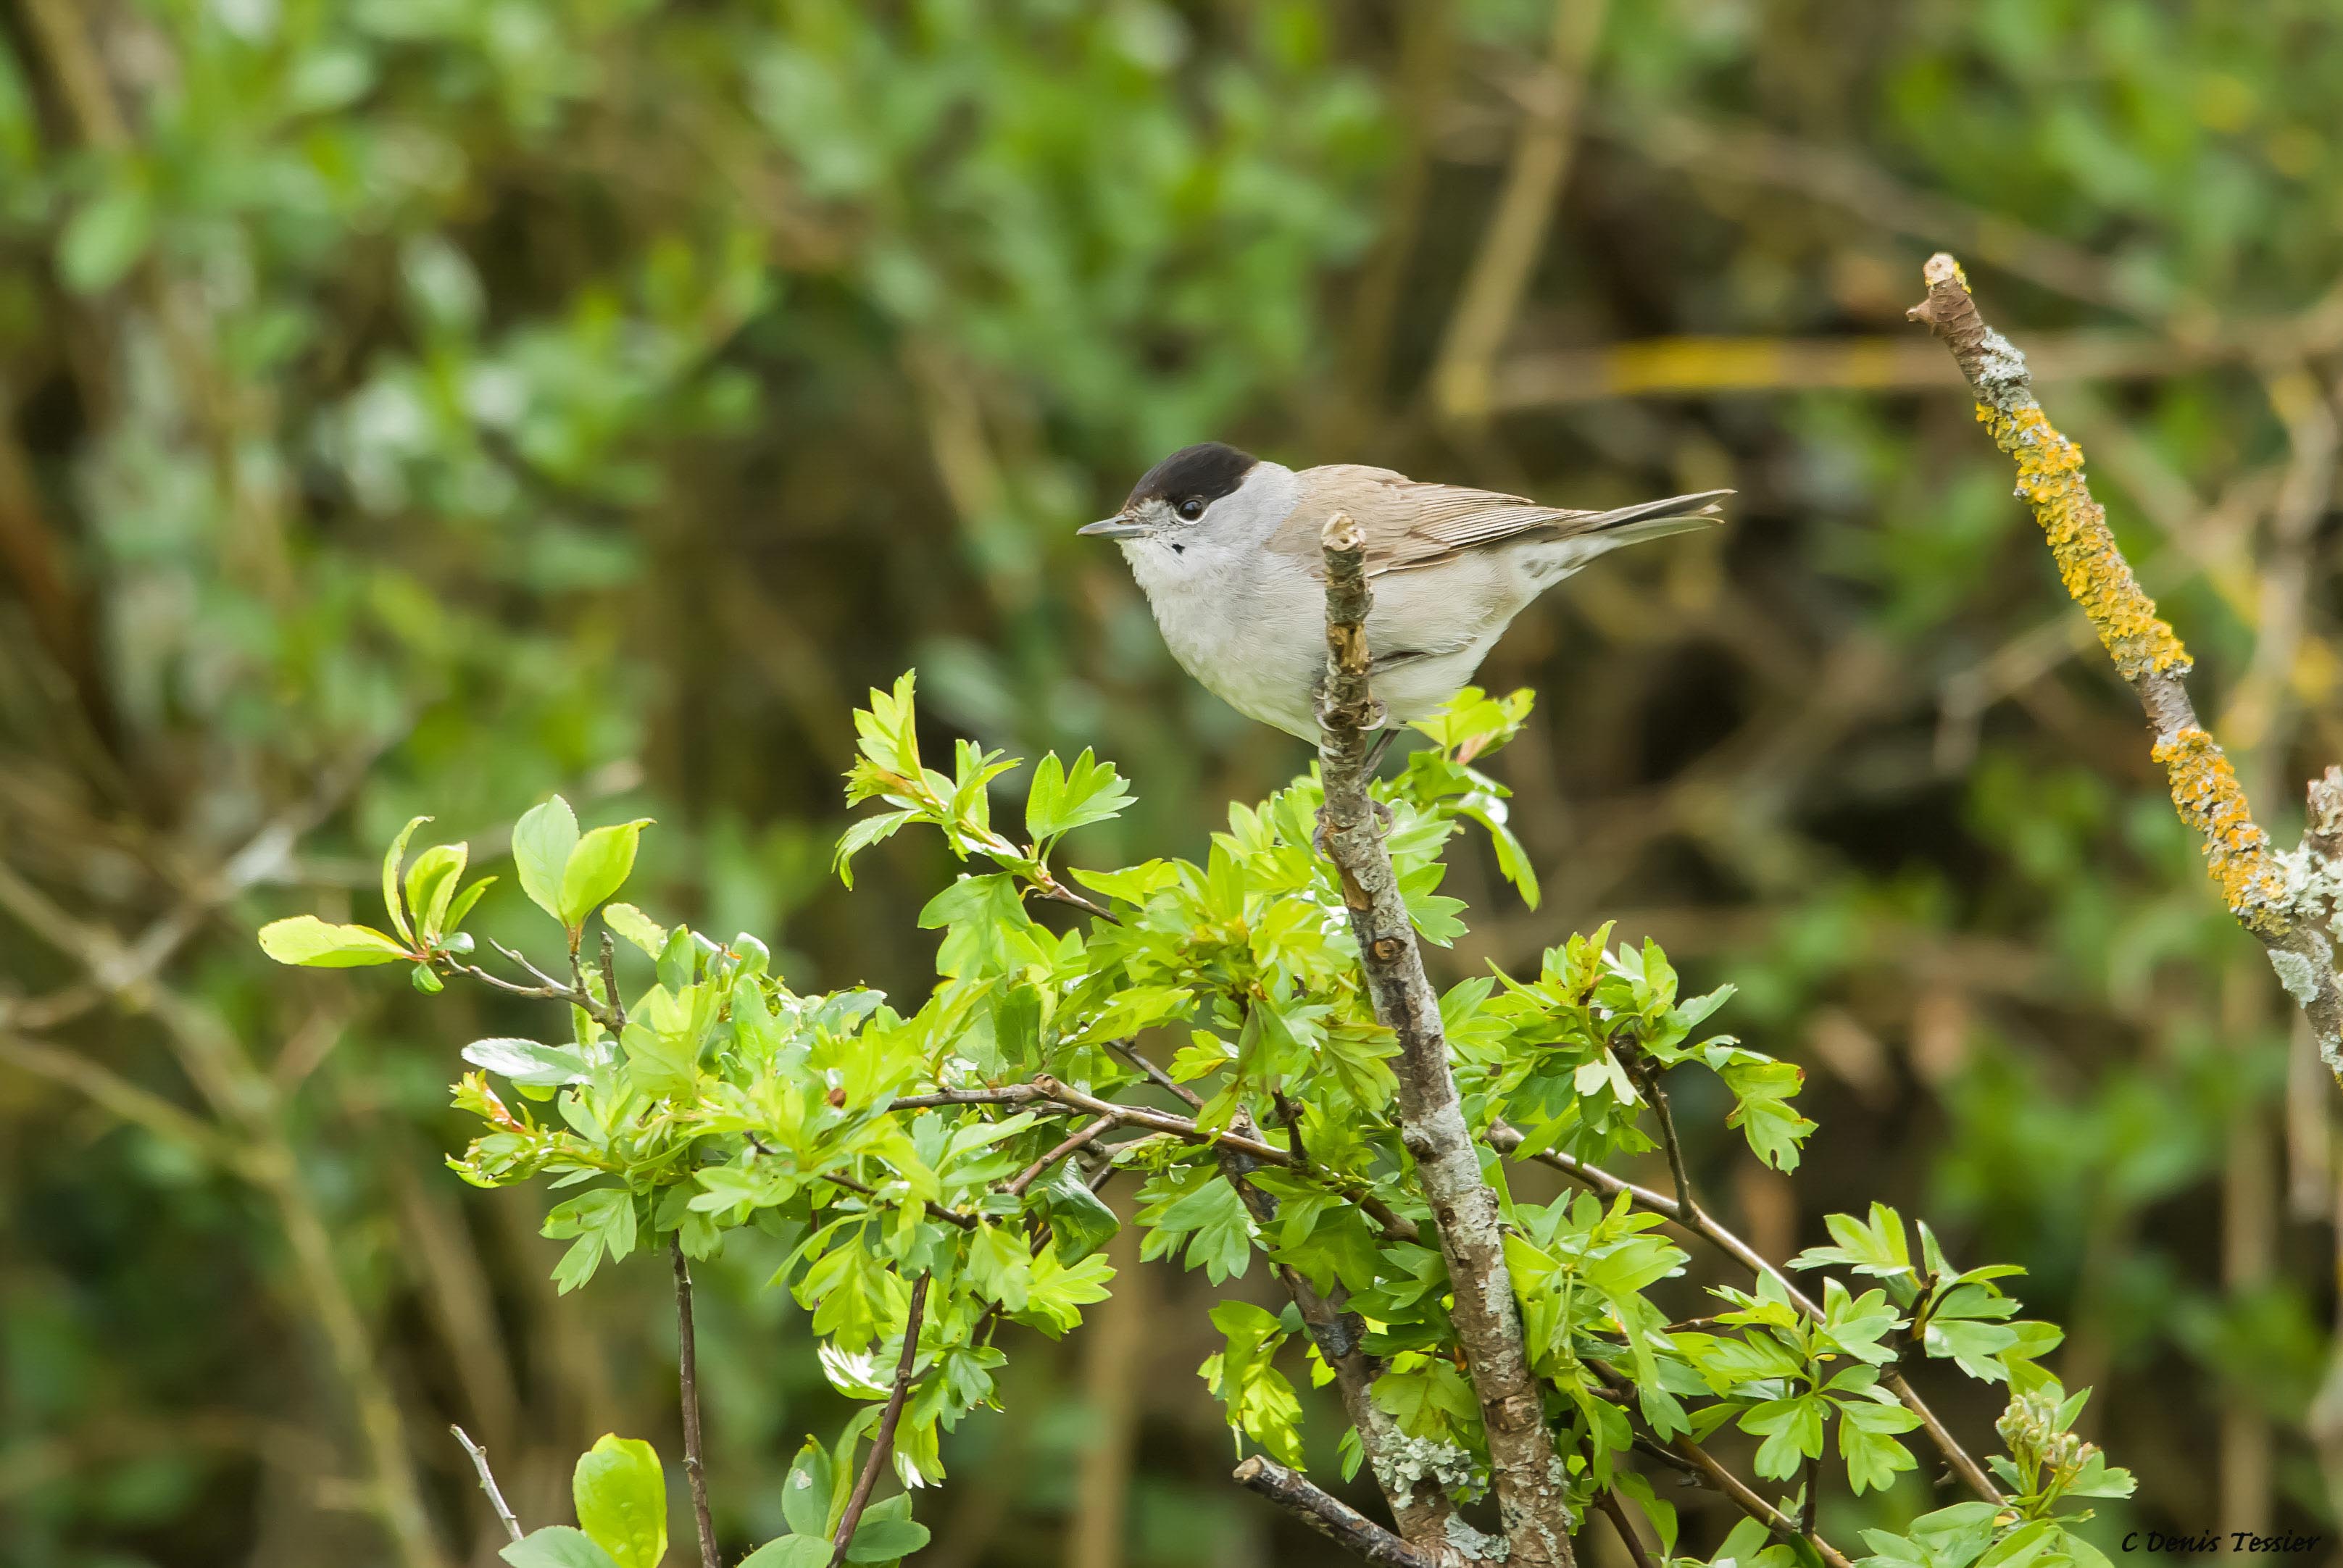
[(2295, 972), (1473, 1545), (2001, 378), (1406, 1461)]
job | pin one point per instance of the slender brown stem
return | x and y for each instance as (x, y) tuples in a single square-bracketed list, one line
[(1813, 1480), (1613, 1509), (1156, 1075), (883, 1443), (1732, 1486), (1027, 1177), (1698, 1222), (695, 1468), (610, 967), (489, 1482), (935, 1210), (1647, 1078), (1011, 1094)]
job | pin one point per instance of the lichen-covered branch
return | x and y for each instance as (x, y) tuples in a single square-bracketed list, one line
[(2284, 901), (1330, 1516), (1529, 1481)]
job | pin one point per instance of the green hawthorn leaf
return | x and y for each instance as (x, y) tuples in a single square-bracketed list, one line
[(542, 842), (1866, 1442), (307, 941), (790, 1552), (864, 832), (557, 1546), (391, 861), (885, 1540), (1062, 800), (431, 887), (620, 1493), (805, 1492), (603, 1220), (462, 905), (597, 867), (636, 927), (525, 1061), (999, 1266), (1222, 1243)]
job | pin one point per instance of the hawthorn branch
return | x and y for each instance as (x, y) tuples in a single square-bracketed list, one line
[(883, 1443), (1330, 1516), (1419, 1506), (489, 1482), (686, 1357), (2267, 896), (1614, 1509), (1393, 1222), (1529, 1476), (1647, 1079), (1699, 1222), (1104, 1123), (1714, 1472)]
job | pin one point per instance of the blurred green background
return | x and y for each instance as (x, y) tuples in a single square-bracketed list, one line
[(423, 405)]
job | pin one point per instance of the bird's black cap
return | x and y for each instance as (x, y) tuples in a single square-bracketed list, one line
[(1207, 471)]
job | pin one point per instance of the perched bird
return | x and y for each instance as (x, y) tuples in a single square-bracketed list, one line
[(1225, 546)]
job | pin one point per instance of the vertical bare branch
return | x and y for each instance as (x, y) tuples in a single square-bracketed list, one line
[(686, 1343), (1509, 249), (882, 1442), (1529, 1482)]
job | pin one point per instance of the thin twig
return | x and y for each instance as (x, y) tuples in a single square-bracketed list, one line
[(1330, 1516), (686, 1357), (1608, 1500), (488, 1481), (1700, 1223), (1647, 1078), (1010, 1094), (1027, 1177), (610, 967), (1812, 1484), (883, 1443), (1156, 1075), (935, 1210), (1743, 1497)]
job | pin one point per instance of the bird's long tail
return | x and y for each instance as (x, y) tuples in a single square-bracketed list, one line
[(1651, 520)]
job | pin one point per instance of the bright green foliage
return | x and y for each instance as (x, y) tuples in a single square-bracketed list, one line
[(717, 1096), (620, 1495)]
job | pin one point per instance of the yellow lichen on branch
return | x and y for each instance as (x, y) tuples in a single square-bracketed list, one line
[(2238, 854), (2098, 577), (2289, 902)]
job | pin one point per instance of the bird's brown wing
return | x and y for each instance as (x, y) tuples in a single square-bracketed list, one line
[(1411, 524)]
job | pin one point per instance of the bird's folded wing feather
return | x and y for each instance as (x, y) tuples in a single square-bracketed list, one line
[(1409, 523)]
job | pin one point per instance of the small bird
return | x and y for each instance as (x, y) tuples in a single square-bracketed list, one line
[(1225, 546)]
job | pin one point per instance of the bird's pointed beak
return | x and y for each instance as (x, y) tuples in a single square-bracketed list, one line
[(1122, 525)]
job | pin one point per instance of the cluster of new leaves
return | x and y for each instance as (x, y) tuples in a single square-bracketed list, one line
[(952, 1153)]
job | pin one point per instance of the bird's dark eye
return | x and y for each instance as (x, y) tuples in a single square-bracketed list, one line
[(1190, 509)]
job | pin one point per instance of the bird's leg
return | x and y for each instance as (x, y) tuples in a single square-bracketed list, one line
[(1381, 744)]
